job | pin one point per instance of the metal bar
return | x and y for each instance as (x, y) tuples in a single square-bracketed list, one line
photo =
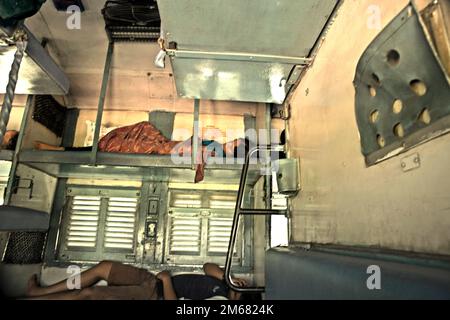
[(235, 226), (268, 176), (15, 160), (195, 147), (262, 212), (56, 218), (5, 113), (237, 212), (101, 229), (101, 101), (237, 56), (11, 87), (141, 237)]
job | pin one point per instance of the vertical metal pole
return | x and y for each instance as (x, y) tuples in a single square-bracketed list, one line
[(8, 99), (101, 102), (237, 213), (268, 177), (15, 160), (195, 146), (11, 88)]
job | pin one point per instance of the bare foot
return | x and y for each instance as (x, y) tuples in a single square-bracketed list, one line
[(33, 286), (44, 146)]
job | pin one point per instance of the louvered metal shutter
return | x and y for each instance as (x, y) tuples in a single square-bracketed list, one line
[(185, 235), (99, 227), (83, 222), (200, 224), (219, 232), (121, 223)]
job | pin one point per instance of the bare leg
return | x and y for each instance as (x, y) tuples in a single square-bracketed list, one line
[(44, 146), (88, 278), (66, 295), (145, 291)]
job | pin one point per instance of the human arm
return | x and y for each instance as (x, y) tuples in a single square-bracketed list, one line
[(213, 270), (168, 290)]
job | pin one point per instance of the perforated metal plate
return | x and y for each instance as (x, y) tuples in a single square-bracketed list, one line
[(402, 90)]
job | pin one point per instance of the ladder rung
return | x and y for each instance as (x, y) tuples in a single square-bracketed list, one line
[(262, 212)]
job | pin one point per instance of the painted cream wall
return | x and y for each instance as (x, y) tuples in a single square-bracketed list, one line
[(342, 201), (110, 119), (15, 118), (183, 121), (221, 128)]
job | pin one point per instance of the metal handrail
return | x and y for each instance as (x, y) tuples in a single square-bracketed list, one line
[(238, 211)]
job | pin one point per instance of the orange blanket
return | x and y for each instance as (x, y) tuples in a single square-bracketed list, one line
[(143, 137)]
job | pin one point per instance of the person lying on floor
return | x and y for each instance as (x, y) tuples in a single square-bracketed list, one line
[(143, 137), (126, 282)]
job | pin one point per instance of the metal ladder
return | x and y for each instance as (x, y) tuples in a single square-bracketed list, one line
[(238, 211)]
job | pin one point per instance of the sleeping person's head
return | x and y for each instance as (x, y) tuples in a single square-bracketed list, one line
[(10, 140)]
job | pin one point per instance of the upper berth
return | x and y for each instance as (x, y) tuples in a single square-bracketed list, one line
[(76, 164)]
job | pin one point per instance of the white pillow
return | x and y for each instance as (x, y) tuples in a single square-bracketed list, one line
[(90, 130)]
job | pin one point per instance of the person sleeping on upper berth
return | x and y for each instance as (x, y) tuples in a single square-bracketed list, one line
[(144, 138)]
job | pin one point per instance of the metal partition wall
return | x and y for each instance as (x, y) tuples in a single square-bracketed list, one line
[(150, 226), (93, 223)]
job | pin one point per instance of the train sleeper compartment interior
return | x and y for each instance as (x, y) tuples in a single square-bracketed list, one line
[(148, 193), (371, 195)]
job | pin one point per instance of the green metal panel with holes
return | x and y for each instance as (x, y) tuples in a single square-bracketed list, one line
[(402, 90)]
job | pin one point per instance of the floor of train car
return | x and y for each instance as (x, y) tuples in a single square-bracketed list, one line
[(14, 278)]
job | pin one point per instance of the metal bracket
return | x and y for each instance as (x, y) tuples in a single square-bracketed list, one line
[(295, 75), (410, 163), (16, 185), (12, 36)]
